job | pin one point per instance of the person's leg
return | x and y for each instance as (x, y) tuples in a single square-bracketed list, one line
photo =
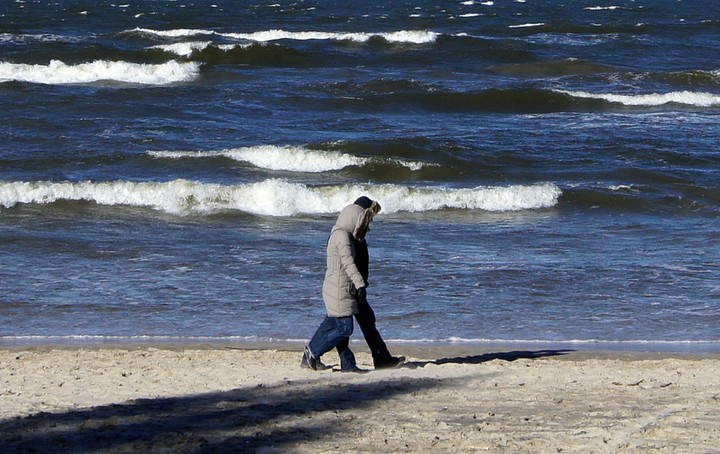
[(380, 353), (331, 332), (319, 339), (311, 360), (366, 320), (347, 358), (334, 332)]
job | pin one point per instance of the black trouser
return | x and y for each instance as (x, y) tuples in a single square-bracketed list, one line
[(366, 319)]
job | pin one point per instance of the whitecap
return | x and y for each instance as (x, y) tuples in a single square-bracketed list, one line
[(699, 99), (58, 72), (183, 49), (174, 33), (292, 159), (528, 25), (601, 8), (402, 36), (275, 197)]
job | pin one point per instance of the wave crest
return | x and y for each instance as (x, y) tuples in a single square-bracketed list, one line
[(699, 99), (292, 159), (58, 72), (400, 36), (276, 197)]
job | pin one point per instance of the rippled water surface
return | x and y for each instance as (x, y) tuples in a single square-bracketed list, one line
[(547, 170)]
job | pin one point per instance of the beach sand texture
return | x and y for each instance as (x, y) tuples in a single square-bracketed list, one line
[(215, 399)]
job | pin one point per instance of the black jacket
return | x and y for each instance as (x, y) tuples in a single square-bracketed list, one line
[(362, 258)]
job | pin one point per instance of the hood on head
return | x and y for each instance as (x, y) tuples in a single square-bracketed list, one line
[(364, 201), (355, 219), (347, 219)]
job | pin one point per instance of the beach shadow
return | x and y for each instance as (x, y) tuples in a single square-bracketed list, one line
[(486, 357), (241, 420)]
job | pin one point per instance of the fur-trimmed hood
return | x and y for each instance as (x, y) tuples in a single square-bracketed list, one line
[(355, 220), (363, 222)]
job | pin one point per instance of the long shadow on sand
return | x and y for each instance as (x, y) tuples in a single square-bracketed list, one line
[(241, 420), (485, 357), (280, 415)]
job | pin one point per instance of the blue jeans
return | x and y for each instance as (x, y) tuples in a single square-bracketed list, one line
[(334, 331)]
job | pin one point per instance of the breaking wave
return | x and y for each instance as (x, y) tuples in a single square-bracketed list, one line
[(276, 197), (188, 48), (401, 36), (58, 72), (698, 99), (293, 159)]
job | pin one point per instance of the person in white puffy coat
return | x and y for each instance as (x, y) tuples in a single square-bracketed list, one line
[(343, 285)]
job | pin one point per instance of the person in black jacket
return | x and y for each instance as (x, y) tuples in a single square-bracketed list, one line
[(382, 359)]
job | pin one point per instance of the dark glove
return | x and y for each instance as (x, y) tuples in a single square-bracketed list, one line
[(361, 293)]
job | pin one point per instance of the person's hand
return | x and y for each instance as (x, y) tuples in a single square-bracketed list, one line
[(361, 293)]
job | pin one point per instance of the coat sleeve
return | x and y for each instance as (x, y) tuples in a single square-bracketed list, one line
[(348, 262)]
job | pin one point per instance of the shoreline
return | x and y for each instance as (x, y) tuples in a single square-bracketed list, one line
[(232, 398), (440, 349)]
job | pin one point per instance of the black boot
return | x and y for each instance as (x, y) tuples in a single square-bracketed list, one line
[(389, 362)]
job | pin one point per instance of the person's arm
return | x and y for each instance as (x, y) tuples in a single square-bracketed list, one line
[(347, 261)]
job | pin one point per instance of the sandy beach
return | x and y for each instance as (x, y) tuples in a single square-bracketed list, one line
[(228, 399)]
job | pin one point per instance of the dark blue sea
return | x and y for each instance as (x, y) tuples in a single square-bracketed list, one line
[(548, 170)]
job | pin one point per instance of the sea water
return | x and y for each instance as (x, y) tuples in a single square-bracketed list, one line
[(548, 171)]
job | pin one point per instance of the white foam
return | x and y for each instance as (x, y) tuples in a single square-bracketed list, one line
[(90, 339), (41, 37), (292, 159), (276, 197), (414, 37), (57, 72), (622, 187), (186, 49), (183, 49), (588, 343), (528, 25), (506, 198), (699, 99), (412, 165), (401, 36), (680, 346), (176, 33)]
